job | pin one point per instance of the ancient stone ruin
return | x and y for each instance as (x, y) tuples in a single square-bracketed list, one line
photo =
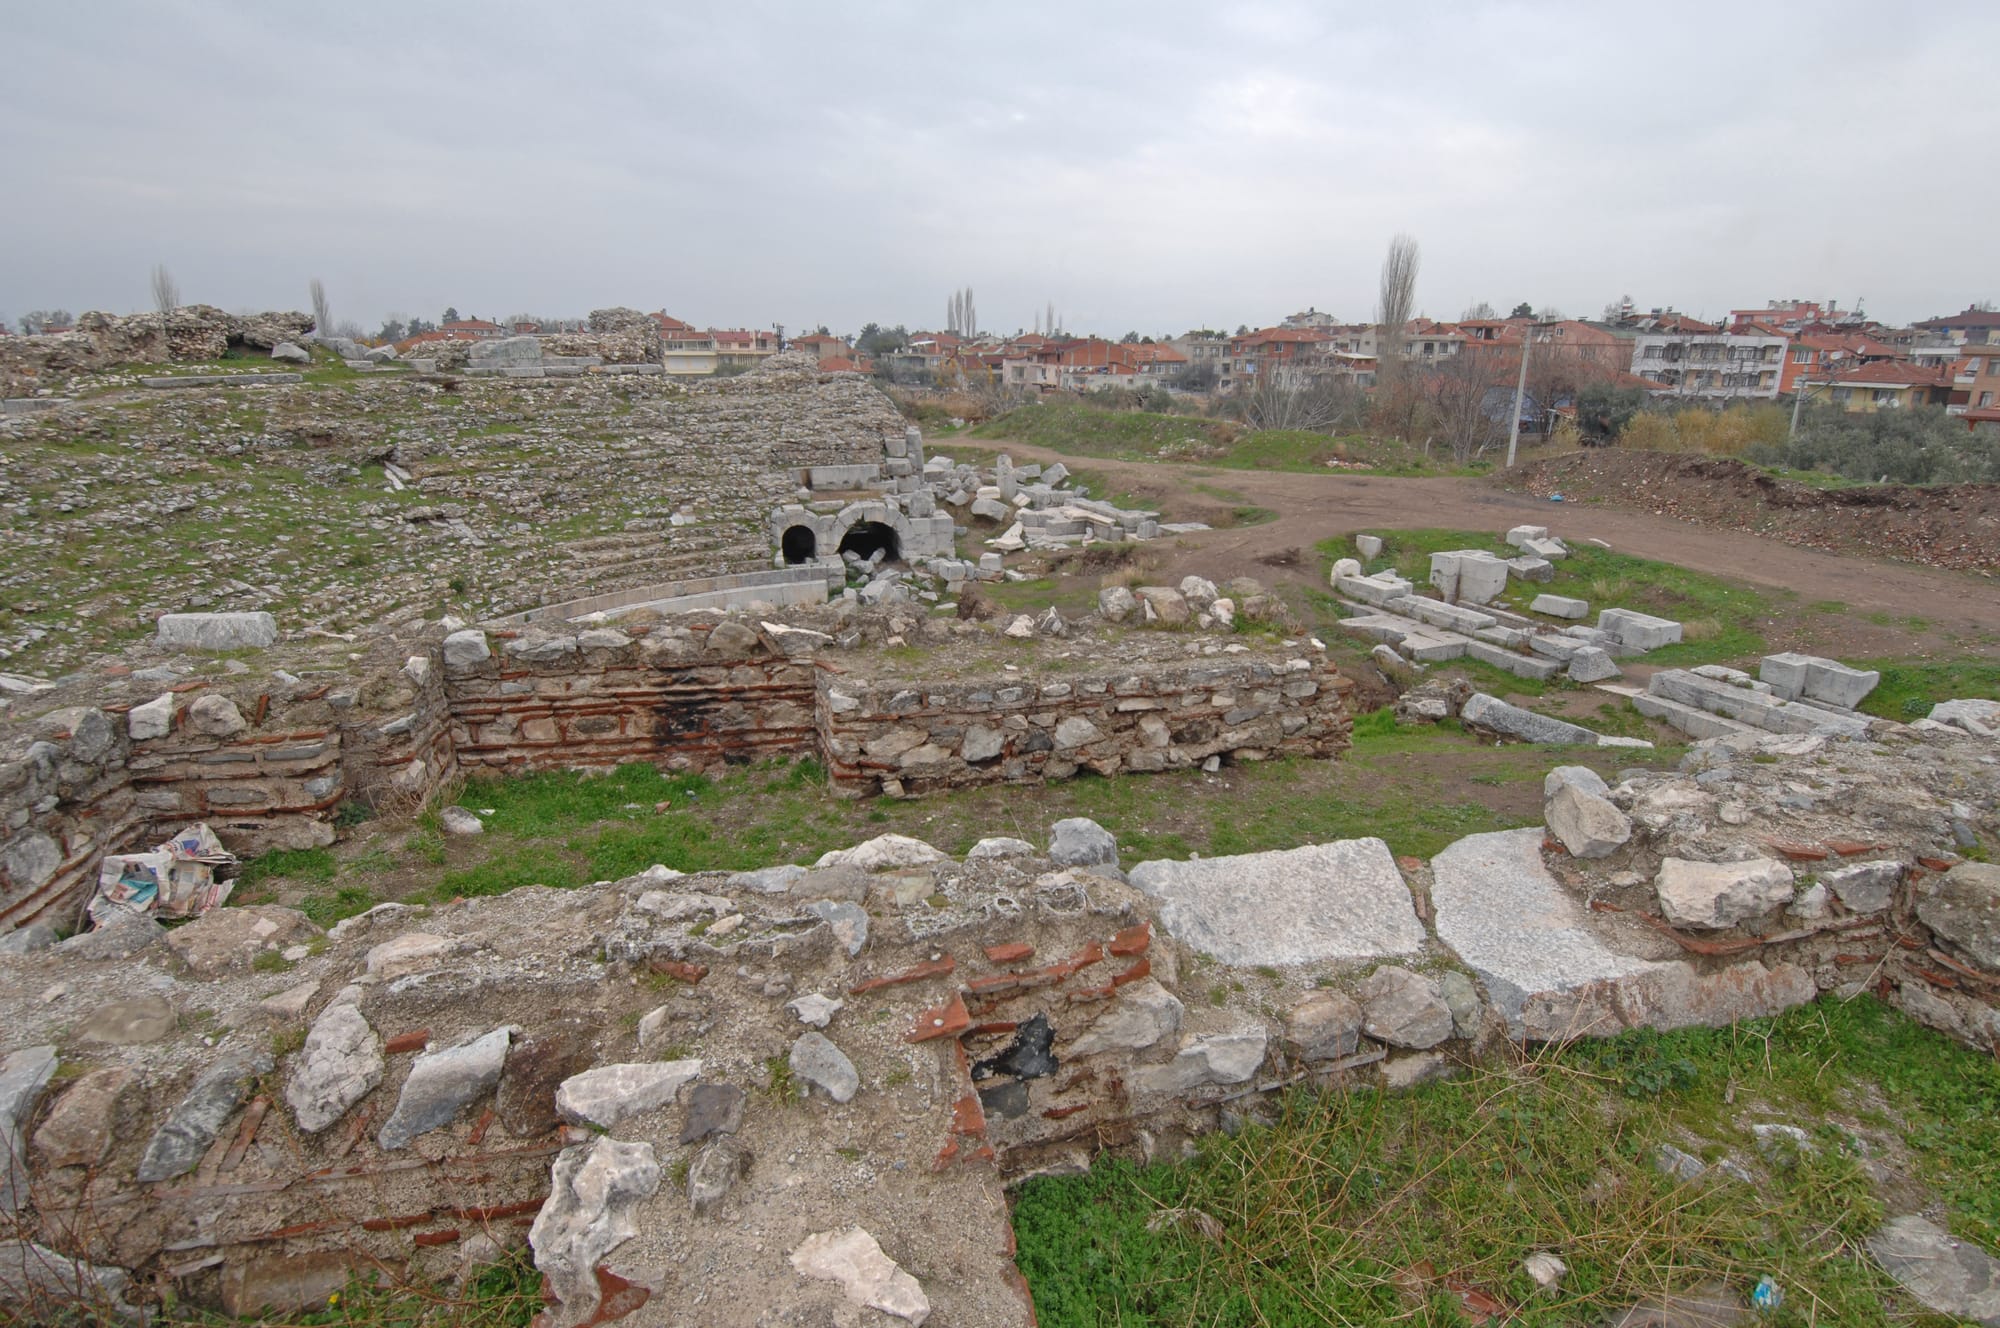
[(788, 1093)]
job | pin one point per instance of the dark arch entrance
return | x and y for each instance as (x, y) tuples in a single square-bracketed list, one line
[(799, 544), (865, 538)]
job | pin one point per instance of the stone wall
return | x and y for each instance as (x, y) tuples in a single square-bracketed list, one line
[(678, 697), (264, 771), (917, 737), (124, 758)]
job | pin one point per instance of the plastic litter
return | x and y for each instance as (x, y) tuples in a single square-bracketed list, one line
[(1767, 1296)]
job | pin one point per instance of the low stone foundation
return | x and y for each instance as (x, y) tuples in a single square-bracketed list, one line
[(267, 758)]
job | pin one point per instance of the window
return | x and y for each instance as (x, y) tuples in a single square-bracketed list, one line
[(1985, 400), (1993, 366), (1843, 394), (1885, 396), (1800, 355)]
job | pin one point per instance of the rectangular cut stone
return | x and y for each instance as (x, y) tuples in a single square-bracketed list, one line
[(1520, 535), (1378, 589), (1560, 606), (217, 631), (1833, 683), (1434, 648), (1532, 569), (1785, 673), (1340, 901), (1554, 977), (1691, 720), (1440, 614), (1507, 917), (1468, 575), (1762, 710), (1548, 549), (1521, 666), (1638, 630)]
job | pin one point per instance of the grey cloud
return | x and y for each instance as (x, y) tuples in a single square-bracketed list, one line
[(1144, 165)]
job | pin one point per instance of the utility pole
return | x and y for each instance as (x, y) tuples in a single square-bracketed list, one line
[(1520, 391), (1798, 399)]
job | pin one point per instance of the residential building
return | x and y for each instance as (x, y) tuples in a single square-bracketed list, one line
[(686, 350), (1974, 327), (472, 329), (1204, 349), (1791, 316), (1711, 365), (1813, 356), (1158, 360), (1888, 385), (820, 346), (1311, 318), (1975, 382), (740, 348)]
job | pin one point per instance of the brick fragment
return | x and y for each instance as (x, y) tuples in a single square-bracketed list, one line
[(1798, 852), (415, 1040), (1132, 940), (931, 968), (678, 969), (1011, 953), (947, 1020)]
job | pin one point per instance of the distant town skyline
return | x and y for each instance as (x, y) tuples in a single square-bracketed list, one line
[(1150, 168)]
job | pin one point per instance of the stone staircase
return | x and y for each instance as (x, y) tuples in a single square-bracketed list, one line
[(1792, 694)]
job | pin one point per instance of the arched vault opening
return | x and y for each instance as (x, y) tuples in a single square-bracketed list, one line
[(864, 539), (799, 544)]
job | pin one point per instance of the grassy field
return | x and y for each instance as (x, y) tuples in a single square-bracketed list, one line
[(1417, 788), (1909, 690), (1135, 435), (1419, 1206), (1720, 620)]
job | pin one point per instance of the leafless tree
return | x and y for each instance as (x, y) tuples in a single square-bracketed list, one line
[(1326, 405), (1480, 310), (1397, 297), (1393, 315), (322, 315), (166, 295), (1460, 400)]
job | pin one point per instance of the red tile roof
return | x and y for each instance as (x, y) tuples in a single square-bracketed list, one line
[(1891, 373), (1970, 318)]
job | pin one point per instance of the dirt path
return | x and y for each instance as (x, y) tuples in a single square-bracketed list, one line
[(1962, 610)]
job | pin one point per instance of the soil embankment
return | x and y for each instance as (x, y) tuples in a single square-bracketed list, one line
[(1951, 526)]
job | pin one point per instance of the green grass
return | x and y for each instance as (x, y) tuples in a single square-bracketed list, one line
[(1352, 1207), (1908, 691), (507, 1294), (1418, 788), (1721, 619), (1075, 429), (292, 864)]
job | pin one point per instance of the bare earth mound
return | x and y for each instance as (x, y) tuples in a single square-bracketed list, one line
[(1954, 526)]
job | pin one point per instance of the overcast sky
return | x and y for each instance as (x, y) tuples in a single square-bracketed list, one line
[(1154, 166)]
